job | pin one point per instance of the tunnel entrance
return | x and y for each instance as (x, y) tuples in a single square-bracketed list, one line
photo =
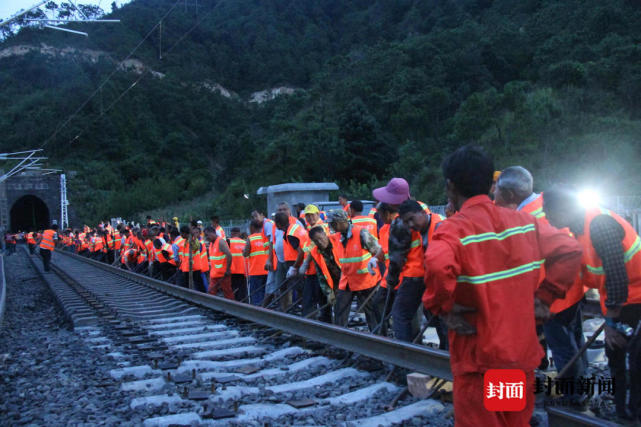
[(29, 213)]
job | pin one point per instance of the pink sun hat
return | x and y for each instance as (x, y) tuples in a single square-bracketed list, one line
[(395, 192)]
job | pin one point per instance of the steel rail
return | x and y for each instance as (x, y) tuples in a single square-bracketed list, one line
[(3, 290), (562, 417), (413, 357)]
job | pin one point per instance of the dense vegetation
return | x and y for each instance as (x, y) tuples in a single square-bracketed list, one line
[(387, 89)]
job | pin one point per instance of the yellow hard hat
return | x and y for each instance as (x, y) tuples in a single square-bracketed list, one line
[(311, 209)]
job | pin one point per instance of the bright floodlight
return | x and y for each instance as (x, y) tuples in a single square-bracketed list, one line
[(589, 198)]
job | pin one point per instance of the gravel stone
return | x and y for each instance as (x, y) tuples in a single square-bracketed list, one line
[(49, 369)]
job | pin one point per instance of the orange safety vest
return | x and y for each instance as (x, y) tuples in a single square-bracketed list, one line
[(335, 240), (217, 260), (47, 240), (98, 243), (161, 258), (220, 231), (372, 212), (592, 267), (110, 242), (183, 253), (118, 239), (577, 290), (30, 239), (414, 264), (236, 246), (320, 223), (535, 207), (384, 242), (309, 245), (149, 249), (366, 222), (258, 249), (354, 258), (295, 229)]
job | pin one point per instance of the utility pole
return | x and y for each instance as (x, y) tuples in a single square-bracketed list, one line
[(64, 217), (160, 39)]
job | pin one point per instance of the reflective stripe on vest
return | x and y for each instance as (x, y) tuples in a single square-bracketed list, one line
[(257, 255), (236, 247), (217, 266), (353, 262), (47, 240), (477, 238), (535, 207), (504, 274), (414, 264)]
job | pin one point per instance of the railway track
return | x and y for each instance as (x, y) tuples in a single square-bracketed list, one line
[(187, 358)]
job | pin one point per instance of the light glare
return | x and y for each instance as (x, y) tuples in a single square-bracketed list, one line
[(589, 198)]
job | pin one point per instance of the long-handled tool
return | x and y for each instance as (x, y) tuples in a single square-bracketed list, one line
[(582, 350)]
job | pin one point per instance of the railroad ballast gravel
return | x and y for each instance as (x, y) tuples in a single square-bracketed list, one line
[(50, 375)]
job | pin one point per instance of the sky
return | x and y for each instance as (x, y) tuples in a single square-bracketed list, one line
[(9, 7)]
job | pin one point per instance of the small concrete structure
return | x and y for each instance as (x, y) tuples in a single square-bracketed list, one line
[(292, 193)]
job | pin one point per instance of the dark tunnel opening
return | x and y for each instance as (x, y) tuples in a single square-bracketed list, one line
[(29, 213)]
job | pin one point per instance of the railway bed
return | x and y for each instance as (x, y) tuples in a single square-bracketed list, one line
[(184, 358)]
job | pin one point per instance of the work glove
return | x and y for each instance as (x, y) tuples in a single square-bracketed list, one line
[(456, 322), (291, 272), (331, 297), (541, 311), (614, 339), (303, 268), (371, 266)]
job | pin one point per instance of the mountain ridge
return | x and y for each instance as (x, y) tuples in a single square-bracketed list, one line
[(388, 90)]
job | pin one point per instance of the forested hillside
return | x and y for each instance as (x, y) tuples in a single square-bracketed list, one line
[(383, 88)]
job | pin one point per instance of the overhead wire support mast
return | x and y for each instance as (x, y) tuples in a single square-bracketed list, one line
[(64, 218), (22, 12), (27, 160), (66, 21)]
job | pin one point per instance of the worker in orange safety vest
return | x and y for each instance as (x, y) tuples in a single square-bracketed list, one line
[(47, 245), (564, 331), (482, 277), (256, 251), (611, 263), (238, 267)]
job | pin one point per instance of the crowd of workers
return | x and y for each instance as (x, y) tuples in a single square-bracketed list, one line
[(506, 266)]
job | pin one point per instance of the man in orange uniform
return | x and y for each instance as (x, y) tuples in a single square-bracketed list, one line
[(313, 297), (31, 242), (271, 262), (359, 257), (409, 300), (256, 250), (611, 263), (344, 202), (294, 240), (406, 253), (215, 223), (220, 260), (325, 254), (385, 298), (564, 331), (47, 245), (482, 276), (238, 270), (356, 214)]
